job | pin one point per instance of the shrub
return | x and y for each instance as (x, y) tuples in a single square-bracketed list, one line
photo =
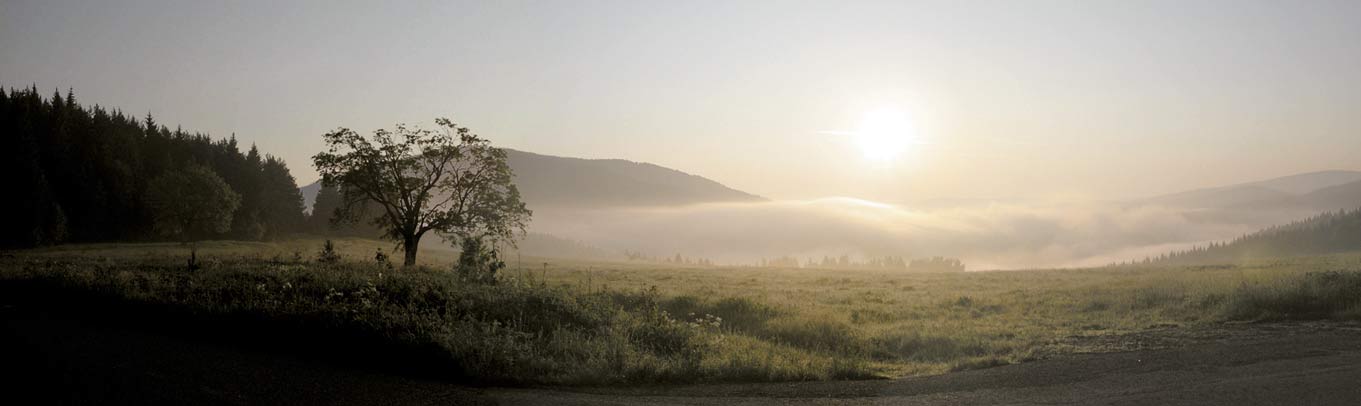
[(382, 259), (476, 262), (739, 314), (328, 254), (1313, 295)]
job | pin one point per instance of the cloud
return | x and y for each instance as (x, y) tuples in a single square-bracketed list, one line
[(992, 236)]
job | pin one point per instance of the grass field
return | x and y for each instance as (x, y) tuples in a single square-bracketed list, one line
[(573, 322)]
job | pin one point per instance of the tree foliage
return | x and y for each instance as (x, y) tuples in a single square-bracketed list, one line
[(478, 263), (191, 204), (83, 174), (1325, 233), (324, 221), (449, 181)]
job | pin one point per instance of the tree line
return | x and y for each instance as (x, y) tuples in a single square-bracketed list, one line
[(87, 174), (677, 259), (932, 264), (1326, 233)]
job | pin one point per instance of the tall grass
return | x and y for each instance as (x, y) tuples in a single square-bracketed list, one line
[(512, 332), (588, 323), (1330, 294)]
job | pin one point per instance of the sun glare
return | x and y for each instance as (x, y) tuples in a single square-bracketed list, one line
[(884, 135)]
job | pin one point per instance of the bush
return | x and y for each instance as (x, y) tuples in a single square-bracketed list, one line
[(476, 262), (1311, 296), (738, 314), (328, 254)]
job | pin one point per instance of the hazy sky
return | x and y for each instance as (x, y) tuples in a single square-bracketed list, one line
[(1009, 98)]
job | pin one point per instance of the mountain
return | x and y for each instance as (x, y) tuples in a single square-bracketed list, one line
[(1309, 182), (551, 246), (547, 181), (309, 195), (1228, 196), (1306, 190), (551, 181), (1344, 196)]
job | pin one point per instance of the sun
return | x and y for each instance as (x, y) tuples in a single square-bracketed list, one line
[(884, 135)]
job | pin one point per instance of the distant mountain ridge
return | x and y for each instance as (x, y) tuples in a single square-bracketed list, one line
[(547, 181), (1335, 196), (1324, 190)]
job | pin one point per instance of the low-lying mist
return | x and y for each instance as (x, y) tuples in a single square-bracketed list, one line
[(991, 236)]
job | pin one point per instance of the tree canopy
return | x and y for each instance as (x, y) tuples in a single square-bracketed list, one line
[(84, 174), (1325, 233), (191, 204), (448, 180)]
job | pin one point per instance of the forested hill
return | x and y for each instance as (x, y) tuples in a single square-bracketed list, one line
[(1327, 233), (554, 181), (547, 182), (79, 174)]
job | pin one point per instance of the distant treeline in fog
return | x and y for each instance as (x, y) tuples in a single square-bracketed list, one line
[(1327, 233), (932, 264), (78, 174)]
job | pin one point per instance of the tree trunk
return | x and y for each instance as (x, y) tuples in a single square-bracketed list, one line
[(409, 245)]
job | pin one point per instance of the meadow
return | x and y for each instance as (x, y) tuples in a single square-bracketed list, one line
[(550, 321)]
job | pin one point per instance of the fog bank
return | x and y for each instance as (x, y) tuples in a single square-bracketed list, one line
[(991, 236)]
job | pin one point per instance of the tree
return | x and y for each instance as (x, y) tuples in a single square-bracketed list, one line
[(449, 181), (190, 205), (280, 202), (323, 220), (323, 210), (477, 263), (84, 173)]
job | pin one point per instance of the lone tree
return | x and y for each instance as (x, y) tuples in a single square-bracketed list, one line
[(449, 181), (190, 205)]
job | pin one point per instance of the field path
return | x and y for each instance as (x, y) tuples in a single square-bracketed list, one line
[(49, 359)]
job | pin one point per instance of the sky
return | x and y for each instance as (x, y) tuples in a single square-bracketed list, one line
[(1005, 100)]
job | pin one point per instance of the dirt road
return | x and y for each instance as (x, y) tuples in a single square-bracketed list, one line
[(49, 359)]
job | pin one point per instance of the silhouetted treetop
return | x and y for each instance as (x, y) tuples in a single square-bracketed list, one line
[(84, 173)]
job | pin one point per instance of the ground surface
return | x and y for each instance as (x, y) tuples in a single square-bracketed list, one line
[(53, 359), (777, 324)]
